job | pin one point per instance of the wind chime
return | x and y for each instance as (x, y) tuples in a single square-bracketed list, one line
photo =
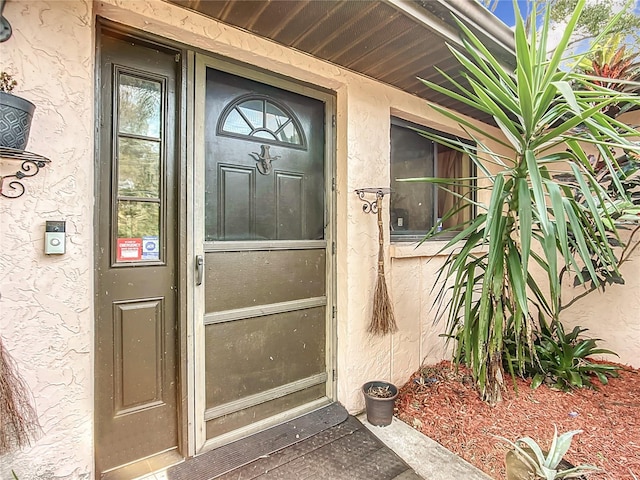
[(382, 318)]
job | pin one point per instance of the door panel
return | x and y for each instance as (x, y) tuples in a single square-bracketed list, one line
[(269, 277), (275, 350), (265, 282), (237, 420), (136, 320), (137, 347)]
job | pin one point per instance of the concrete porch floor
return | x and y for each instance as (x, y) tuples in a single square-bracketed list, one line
[(351, 450)]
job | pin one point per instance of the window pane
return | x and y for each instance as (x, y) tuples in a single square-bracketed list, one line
[(453, 164), (290, 134), (139, 106), (417, 207), (138, 219), (264, 134), (234, 123), (138, 168), (275, 117), (412, 204), (253, 110)]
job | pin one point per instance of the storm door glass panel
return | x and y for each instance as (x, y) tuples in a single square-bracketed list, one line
[(138, 168)]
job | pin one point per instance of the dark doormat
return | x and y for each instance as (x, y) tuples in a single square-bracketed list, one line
[(344, 450), (233, 455)]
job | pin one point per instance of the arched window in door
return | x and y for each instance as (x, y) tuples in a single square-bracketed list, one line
[(264, 119)]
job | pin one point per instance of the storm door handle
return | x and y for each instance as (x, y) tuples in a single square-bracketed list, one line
[(199, 269)]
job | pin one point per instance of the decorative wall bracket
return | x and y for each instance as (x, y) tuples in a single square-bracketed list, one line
[(371, 206), (11, 185)]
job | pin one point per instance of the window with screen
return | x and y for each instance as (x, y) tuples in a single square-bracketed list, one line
[(416, 208)]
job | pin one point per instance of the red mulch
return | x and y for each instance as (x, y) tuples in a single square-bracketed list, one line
[(447, 408)]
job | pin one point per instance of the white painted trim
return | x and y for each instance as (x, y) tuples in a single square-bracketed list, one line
[(198, 240), (192, 247)]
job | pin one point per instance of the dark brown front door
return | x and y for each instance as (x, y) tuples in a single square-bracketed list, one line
[(136, 321), (265, 253)]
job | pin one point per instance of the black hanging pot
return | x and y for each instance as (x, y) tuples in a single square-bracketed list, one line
[(380, 398), (15, 121)]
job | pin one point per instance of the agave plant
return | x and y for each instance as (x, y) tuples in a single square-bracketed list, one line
[(526, 217), (548, 466), (564, 359)]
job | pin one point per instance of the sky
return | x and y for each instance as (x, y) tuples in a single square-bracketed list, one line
[(504, 11)]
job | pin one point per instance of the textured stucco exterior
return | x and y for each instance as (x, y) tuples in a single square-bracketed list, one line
[(47, 301)]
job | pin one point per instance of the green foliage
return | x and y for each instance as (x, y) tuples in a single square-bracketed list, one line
[(563, 359), (547, 466), (525, 216), (596, 16)]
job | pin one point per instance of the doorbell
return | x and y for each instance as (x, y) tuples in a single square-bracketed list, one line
[(54, 237)]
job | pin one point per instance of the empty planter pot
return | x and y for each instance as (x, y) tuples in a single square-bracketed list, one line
[(380, 398)]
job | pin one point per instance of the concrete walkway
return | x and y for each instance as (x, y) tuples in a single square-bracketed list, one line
[(427, 457)]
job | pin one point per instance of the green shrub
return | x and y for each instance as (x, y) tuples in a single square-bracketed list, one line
[(563, 360), (558, 359)]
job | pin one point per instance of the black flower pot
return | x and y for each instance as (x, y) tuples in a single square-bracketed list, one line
[(15, 121), (379, 408)]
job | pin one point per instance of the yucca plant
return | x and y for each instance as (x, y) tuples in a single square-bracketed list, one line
[(545, 466), (548, 117)]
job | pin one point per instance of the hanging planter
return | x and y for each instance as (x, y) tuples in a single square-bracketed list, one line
[(15, 115)]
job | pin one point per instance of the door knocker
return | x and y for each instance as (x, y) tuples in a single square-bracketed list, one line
[(264, 159)]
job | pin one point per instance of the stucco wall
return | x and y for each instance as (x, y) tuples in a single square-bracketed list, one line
[(46, 301), (47, 309)]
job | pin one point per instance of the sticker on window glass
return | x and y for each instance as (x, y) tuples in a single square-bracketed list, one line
[(150, 248), (129, 249)]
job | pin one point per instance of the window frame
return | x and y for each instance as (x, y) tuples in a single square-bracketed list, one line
[(396, 237)]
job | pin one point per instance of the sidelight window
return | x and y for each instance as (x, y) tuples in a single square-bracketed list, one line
[(138, 165)]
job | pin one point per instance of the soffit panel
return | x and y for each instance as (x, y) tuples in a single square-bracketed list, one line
[(373, 38)]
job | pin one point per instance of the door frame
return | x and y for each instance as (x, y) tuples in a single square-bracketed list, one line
[(197, 65)]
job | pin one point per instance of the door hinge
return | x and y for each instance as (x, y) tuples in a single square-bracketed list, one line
[(178, 57), (333, 184), (334, 374), (333, 312), (333, 120), (333, 248)]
